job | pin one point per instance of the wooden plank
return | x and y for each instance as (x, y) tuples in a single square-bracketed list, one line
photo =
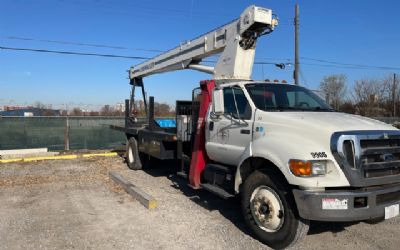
[(145, 199)]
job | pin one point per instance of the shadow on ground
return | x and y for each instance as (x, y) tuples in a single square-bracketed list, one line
[(230, 208)]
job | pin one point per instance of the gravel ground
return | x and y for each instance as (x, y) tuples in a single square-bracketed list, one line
[(74, 205)]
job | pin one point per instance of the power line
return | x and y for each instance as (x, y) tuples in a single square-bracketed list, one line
[(119, 47), (360, 66), (97, 45), (79, 44), (72, 53), (330, 64), (303, 78), (96, 54), (347, 67), (150, 9)]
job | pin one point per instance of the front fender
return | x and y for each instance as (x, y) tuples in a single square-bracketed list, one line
[(281, 148)]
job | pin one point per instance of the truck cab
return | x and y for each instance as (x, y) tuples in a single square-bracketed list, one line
[(337, 166)]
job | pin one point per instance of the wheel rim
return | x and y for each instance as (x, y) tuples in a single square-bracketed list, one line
[(130, 155), (267, 209)]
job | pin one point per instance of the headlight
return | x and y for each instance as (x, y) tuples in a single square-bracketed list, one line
[(307, 168)]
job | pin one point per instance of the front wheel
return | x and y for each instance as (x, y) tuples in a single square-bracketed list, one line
[(270, 212)]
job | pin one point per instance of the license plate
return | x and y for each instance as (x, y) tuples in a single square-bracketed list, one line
[(391, 211)]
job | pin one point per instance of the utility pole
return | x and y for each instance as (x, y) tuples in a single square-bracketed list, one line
[(296, 45), (394, 95)]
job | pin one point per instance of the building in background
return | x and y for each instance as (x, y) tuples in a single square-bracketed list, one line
[(120, 107), (28, 111)]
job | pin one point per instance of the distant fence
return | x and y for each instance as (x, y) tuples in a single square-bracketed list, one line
[(49, 132), (84, 132)]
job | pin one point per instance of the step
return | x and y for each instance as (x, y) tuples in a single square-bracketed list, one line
[(182, 174), (218, 168), (217, 190)]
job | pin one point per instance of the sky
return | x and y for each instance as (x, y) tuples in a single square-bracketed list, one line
[(353, 32)]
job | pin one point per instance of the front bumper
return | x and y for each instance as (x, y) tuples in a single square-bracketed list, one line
[(340, 205)]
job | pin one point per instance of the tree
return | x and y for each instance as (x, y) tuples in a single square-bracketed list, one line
[(392, 95), (76, 112), (94, 113), (106, 110), (370, 97), (49, 112), (334, 89), (348, 107), (39, 105), (162, 109)]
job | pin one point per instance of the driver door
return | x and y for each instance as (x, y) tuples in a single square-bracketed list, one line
[(229, 134)]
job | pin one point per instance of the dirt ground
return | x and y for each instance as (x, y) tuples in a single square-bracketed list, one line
[(72, 204)]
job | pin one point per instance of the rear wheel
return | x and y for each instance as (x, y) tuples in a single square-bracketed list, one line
[(269, 211), (132, 155)]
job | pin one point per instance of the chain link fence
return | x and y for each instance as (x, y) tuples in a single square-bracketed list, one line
[(51, 132), (83, 133)]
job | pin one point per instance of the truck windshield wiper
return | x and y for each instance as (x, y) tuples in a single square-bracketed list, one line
[(280, 108), (286, 108), (322, 109)]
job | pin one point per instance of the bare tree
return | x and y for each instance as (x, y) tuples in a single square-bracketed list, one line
[(162, 109), (39, 105), (370, 96), (334, 88), (348, 107), (49, 112), (76, 112), (106, 110), (94, 113), (392, 95)]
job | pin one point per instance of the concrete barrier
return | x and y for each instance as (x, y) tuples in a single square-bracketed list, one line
[(145, 199), (57, 157)]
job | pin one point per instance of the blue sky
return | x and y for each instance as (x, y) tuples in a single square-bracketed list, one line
[(355, 32)]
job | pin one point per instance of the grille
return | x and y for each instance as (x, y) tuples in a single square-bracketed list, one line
[(380, 157)]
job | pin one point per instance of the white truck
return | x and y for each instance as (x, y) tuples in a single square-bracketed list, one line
[(289, 156)]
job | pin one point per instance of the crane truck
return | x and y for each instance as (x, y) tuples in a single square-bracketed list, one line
[(287, 155)]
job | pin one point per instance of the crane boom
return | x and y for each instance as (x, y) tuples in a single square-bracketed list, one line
[(236, 41)]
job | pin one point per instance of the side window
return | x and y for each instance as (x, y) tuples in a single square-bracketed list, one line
[(264, 98), (232, 94)]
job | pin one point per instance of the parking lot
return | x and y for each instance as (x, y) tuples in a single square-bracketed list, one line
[(72, 204)]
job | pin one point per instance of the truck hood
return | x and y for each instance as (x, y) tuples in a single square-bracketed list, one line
[(327, 122)]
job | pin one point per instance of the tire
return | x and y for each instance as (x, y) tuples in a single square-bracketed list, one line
[(132, 155), (260, 197)]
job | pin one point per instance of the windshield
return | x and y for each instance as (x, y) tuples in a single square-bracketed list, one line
[(282, 97)]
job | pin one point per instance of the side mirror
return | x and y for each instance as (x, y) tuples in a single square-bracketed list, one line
[(218, 102)]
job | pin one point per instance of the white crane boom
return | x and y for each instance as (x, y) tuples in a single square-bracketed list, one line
[(235, 41)]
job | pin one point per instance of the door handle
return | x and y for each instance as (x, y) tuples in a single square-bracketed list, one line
[(211, 126), (245, 131)]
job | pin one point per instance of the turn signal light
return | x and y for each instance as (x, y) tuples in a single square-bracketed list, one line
[(300, 168), (308, 168)]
